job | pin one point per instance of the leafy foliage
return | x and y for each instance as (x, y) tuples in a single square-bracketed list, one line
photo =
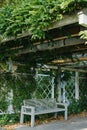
[(22, 88), (77, 106), (3, 94), (83, 34), (9, 119), (34, 16)]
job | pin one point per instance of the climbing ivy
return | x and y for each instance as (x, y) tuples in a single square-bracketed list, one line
[(33, 17), (83, 34), (22, 87)]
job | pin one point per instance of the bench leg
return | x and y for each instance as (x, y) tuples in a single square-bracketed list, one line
[(55, 115), (22, 116), (66, 114), (32, 120)]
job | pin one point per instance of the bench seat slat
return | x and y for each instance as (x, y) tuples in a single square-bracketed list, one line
[(45, 111), (49, 111)]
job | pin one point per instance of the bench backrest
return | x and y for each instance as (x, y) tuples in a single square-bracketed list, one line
[(41, 104)]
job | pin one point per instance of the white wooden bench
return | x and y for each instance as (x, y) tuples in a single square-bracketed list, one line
[(34, 107)]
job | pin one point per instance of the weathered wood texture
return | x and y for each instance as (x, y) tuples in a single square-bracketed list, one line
[(34, 107), (53, 45)]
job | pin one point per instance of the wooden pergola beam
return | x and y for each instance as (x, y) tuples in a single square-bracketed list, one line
[(69, 60), (73, 69), (67, 20), (65, 68), (55, 45)]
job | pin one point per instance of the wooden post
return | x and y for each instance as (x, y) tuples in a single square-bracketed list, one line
[(64, 92), (58, 87), (59, 84), (10, 109), (32, 117), (82, 15), (76, 85), (52, 87), (22, 116)]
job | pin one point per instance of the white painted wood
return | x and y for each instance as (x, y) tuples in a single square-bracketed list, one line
[(76, 85), (41, 106), (22, 115), (47, 90), (67, 19), (82, 15), (64, 92), (1, 112), (66, 112), (53, 87), (59, 92), (10, 109), (59, 84), (33, 116)]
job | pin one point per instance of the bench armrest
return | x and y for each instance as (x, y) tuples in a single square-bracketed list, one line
[(27, 109), (62, 104), (65, 106), (30, 107)]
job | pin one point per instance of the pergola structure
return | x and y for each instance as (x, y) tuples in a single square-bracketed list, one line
[(62, 47)]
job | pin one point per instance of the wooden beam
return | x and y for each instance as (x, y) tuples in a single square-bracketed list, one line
[(82, 15), (73, 69), (67, 19), (70, 60), (65, 68), (76, 85), (54, 45), (58, 38)]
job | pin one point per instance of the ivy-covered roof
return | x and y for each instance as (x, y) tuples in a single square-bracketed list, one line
[(29, 33), (26, 16)]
